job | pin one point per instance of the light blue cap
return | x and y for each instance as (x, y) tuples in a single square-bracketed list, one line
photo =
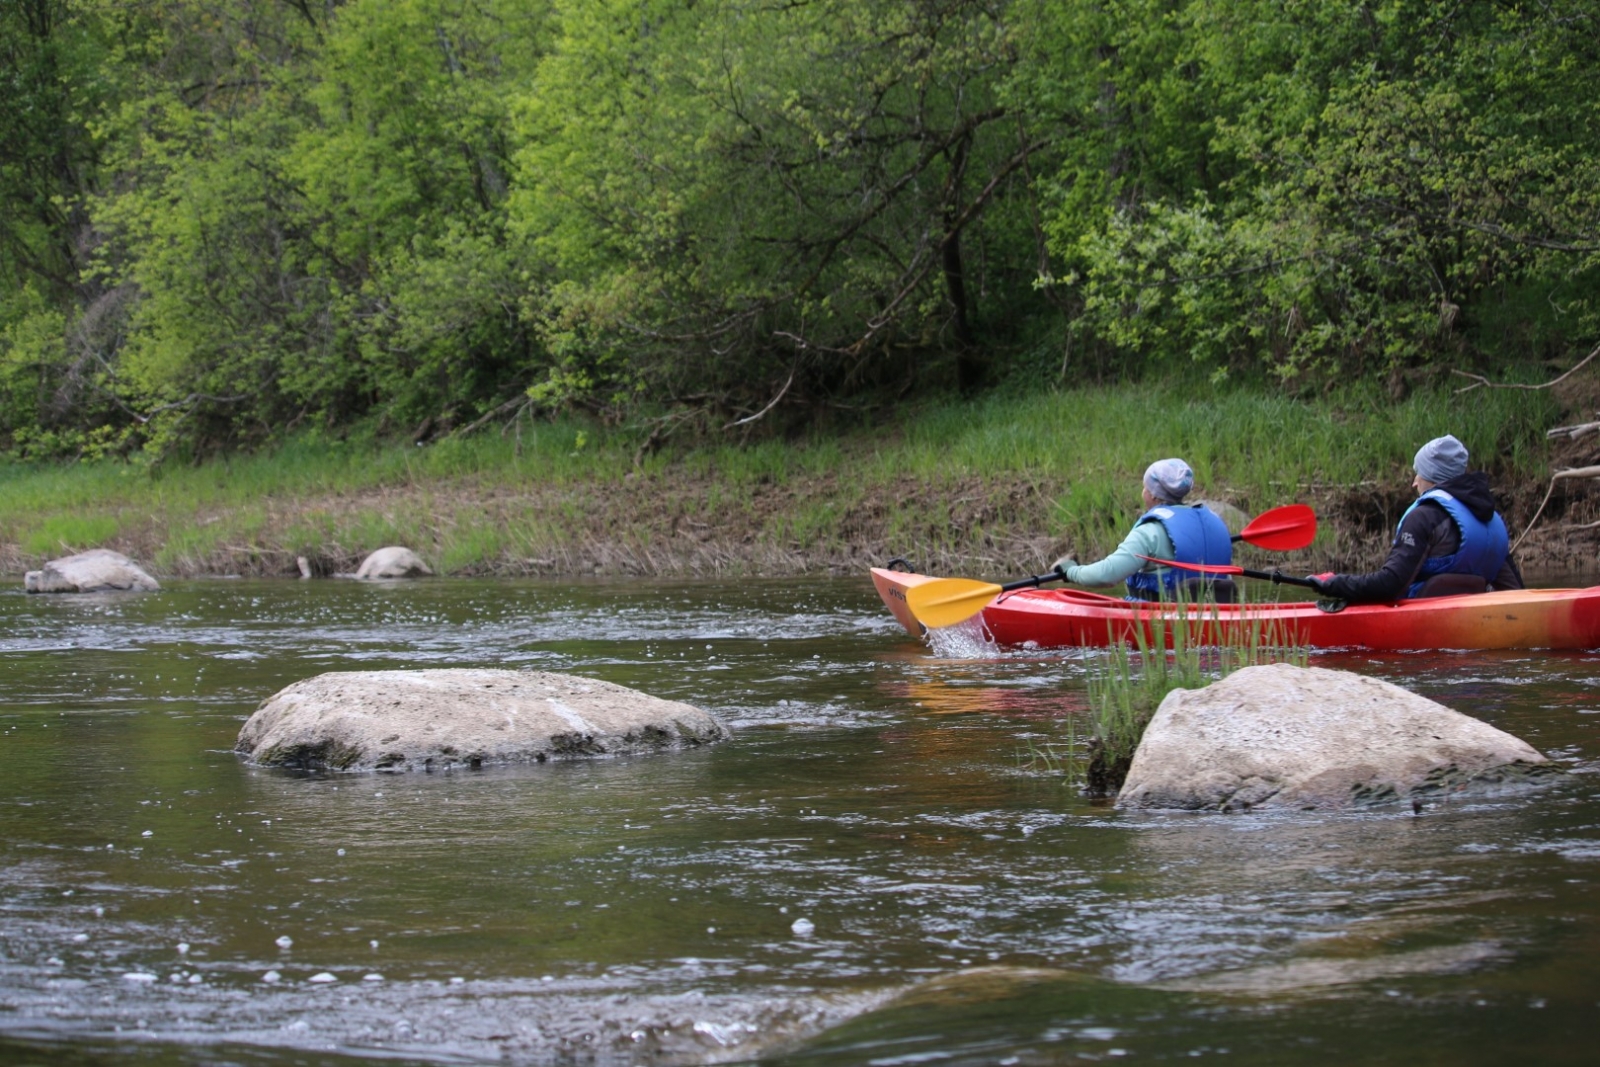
[(1169, 480)]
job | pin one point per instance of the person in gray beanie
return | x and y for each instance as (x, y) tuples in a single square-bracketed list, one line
[(1168, 529), (1451, 540)]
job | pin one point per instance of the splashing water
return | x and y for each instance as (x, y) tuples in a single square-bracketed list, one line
[(967, 639)]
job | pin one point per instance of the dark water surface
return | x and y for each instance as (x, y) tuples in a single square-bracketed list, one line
[(959, 905)]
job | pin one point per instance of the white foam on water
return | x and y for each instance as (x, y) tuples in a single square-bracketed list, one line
[(967, 639)]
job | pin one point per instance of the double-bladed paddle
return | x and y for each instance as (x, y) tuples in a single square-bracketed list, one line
[(1281, 529), (947, 601), (1274, 575)]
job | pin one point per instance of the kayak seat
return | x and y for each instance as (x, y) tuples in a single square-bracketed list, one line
[(1222, 590), (1452, 585)]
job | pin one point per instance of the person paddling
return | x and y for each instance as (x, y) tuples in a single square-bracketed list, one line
[(1169, 529), (1451, 540)]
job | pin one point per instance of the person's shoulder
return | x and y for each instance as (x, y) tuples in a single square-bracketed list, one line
[(1427, 509), (1425, 516), (1150, 534)]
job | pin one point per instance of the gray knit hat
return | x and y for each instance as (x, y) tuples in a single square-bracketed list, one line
[(1441, 459), (1169, 480)]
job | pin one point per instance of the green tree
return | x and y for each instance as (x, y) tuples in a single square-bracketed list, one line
[(1363, 187), (55, 84), (316, 234), (748, 200), (204, 232), (405, 172)]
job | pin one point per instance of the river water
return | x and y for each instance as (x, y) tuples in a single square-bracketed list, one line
[(878, 869)]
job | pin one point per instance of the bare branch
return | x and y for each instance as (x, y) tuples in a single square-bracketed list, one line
[(1480, 381), (1561, 475), (489, 416), (1573, 431), (771, 403), (187, 403)]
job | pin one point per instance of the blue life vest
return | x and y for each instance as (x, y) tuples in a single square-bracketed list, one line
[(1198, 536), (1484, 545)]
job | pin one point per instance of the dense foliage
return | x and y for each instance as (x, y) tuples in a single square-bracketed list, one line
[(221, 219)]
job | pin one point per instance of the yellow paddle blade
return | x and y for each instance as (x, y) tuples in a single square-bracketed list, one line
[(947, 601)]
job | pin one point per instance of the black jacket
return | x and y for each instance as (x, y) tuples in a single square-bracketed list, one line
[(1427, 532)]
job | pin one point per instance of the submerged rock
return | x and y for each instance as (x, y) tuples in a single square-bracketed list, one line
[(95, 571), (442, 719), (393, 562), (1307, 737)]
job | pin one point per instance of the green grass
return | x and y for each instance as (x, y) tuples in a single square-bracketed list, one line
[(943, 482), (470, 545), (1246, 439), (1257, 449), (1128, 684), (64, 534)]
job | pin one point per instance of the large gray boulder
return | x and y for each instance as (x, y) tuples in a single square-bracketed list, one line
[(1306, 737), (443, 719), (392, 562), (95, 571)]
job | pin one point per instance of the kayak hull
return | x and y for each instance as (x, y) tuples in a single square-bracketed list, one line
[(1069, 618)]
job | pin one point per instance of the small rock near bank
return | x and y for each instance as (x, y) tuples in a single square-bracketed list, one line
[(1307, 737), (98, 570), (392, 562), (446, 719)]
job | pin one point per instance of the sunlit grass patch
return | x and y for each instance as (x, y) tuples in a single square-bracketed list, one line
[(367, 530), (189, 546), (312, 533), (471, 547), (65, 534)]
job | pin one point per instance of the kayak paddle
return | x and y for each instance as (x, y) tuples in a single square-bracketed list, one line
[(947, 601), (1275, 576), (1281, 529)]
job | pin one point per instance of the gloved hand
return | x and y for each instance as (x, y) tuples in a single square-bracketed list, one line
[(1062, 564), (1321, 580)]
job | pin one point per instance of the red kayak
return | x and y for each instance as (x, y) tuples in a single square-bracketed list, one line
[(1065, 618)]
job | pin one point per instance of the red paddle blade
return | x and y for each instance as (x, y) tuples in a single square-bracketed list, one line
[(1282, 529), (1203, 568)]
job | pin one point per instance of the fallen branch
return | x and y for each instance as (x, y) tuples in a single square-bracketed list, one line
[(771, 404), (1480, 381), (1561, 475), (516, 401), (1573, 431)]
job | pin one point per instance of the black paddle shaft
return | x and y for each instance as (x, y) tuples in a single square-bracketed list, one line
[(1033, 583), (1275, 576), (1278, 577)]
